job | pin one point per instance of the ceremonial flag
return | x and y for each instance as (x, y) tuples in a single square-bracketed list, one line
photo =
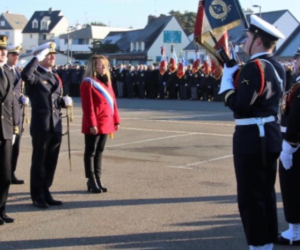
[(207, 65), (216, 69), (173, 60), (163, 61), (197, 62), (217, 16), (180, 70)]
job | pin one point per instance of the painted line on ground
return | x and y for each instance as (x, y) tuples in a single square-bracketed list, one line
[(134, 142), (187, 166)]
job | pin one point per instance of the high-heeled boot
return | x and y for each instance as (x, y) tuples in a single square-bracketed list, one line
[(92, 186), (102, 188)]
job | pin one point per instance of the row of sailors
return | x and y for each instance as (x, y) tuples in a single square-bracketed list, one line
[(149, 83)]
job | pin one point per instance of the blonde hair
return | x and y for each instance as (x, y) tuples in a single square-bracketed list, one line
[(91, 67)]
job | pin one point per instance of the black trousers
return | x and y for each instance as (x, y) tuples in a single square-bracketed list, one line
[(5, 172), (290, 189), (256, 197), (94, 147), (45, 153), (15, 152)]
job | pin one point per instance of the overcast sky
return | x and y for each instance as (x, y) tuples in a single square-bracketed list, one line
[(126, 13)]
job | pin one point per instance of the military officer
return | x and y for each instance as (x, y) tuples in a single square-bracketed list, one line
[(20, 101), (257, 139), (6, 133), (289, 166), (45, 91)]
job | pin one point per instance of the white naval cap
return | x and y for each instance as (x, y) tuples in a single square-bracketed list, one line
[(48, 45), (14, 49), (297, 54), (261, 27)]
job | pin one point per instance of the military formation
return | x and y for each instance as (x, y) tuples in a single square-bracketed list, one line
[(253, 91)]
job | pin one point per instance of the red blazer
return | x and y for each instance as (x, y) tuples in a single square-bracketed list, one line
[(96, 110)]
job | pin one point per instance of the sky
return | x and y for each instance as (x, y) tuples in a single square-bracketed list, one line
[(128, 13)]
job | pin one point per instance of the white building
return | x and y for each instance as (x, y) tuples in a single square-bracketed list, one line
[(12, 26), (44, 26), (80, 40), (144, 46)]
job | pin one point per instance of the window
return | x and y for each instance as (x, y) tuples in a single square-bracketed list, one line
[(44, 25), (30, 35), (44, 37), (66, 41), (2, 23), (35, 24)]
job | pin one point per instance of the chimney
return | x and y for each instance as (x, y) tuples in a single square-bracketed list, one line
[(50, 10), (150, 18), (8, 12)]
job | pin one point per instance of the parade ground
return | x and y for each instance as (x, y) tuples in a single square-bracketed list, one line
[(170, 179)]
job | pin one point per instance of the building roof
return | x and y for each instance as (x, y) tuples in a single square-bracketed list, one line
[(291, 45), (15, 21), (92, 32), (148, 35), (237, 34), (54, 16)]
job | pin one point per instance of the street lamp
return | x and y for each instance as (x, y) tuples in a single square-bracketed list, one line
[(258, 6)]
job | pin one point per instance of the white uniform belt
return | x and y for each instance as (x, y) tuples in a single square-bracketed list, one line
[(260, 121), (283, 129)]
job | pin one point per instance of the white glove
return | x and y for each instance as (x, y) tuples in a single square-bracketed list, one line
[(41, 55), (13, 139), (227, 78), (24, 100), (286, 155), (68, 101)]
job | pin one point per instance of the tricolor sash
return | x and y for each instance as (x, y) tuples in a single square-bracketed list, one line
[(103, 91)]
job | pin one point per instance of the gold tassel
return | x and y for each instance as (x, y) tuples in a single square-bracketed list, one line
[(111, 135), (26, 115), (71, 114)]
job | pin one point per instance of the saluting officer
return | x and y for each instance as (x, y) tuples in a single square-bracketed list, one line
[(45, 91), (289, 166), (257, 139), (6, 133), (14, 78)]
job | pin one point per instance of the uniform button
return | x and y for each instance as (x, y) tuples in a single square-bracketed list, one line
[(2, 117), (53, 106), (53, 111), (53, 100), (10, 118)]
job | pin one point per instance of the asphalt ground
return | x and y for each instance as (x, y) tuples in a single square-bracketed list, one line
[(170, 179)]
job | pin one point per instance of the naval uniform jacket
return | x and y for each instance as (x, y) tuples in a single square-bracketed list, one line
[(45, 94), (246, 102), (96, 110), (6, 108), (16, 84)]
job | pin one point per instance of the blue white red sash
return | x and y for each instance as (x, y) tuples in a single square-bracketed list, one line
[(103, 91)]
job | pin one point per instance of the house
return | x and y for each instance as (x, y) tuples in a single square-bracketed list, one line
[(12, 26), (44, 26), (282, 19), (80, 40), (143, 46), (190, 52)]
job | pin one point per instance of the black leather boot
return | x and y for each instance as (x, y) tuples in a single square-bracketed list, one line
[(102, 188), (92, 186)]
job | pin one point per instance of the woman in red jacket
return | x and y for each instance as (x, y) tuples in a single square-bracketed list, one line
[(100, 117)]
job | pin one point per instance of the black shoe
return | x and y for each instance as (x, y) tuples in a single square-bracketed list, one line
[(16, 181), (92, 186), (52, 202), (102, 188), (7, 219), (40, 204), (283, 241)]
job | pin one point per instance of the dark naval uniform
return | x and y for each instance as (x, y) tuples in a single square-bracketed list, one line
[(256, 146), (45, 93), (15, 81), (6, 134), (290, 178)]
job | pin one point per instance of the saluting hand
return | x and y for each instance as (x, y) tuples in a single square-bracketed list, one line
[(93, 130)]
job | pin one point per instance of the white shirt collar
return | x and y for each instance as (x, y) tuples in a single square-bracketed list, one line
[(10, 67), (260, 54), (47, 70)]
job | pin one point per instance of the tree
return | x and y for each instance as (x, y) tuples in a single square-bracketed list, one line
[(96, 24), (186, 20), (100, 48)]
